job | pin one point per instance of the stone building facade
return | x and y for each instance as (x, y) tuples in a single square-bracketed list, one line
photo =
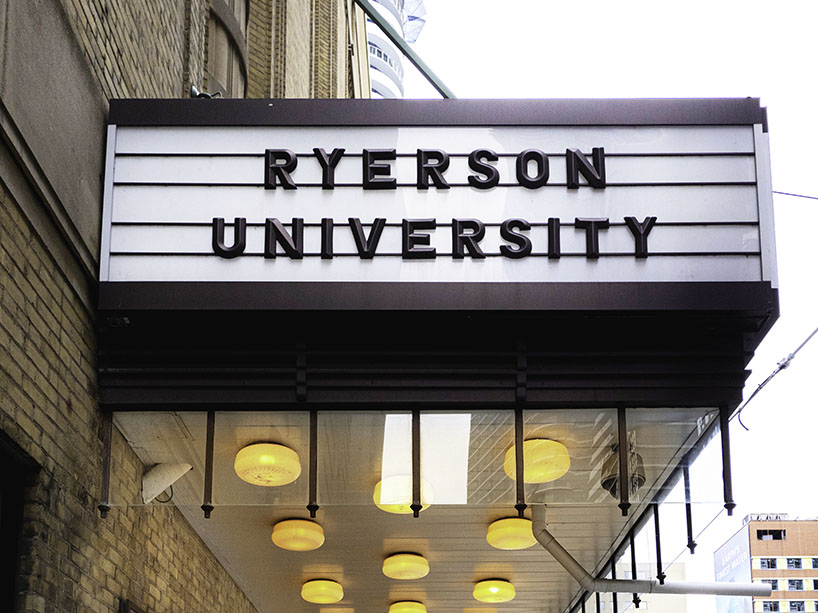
[(61, 61)]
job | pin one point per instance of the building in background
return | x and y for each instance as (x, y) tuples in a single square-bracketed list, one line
[(776, 550), (62, 61), (385, 59)]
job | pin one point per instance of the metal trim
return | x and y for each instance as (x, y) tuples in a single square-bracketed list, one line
[(739, 297), (107, 205), (559, 112)]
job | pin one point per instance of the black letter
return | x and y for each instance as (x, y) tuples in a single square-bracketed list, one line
[(507, 232), (328, 164), (592, 228), (432, 170), (239, 237), (461, 240), (273, 170), (412, 239), (576, 163), (640, 233), (327, 227), (366, 246), (475, 163), (274, 232), (541, 178), (372, 171), (553, 238)]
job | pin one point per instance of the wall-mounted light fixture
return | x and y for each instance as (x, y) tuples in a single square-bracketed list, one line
[(160, 477), (494, 590), (267, 464), (545, 460), (322, 591), (511, 533), (298, 535)]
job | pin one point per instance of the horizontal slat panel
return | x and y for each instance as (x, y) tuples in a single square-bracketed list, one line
[(617, 239), (250, 170), (693, 139), (669, 204), (626, 268)]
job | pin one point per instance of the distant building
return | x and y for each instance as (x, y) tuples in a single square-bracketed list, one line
[(385, 59), (776, 550)]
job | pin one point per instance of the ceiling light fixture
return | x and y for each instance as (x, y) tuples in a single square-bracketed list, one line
[(407, 606), (298, 535), (511, 533), (394, 494), (267, 464), (610, 471), (544, 460), (406, 566), (322, 591), (494, 590)]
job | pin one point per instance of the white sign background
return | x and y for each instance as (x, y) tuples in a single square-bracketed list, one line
[(708, 187)]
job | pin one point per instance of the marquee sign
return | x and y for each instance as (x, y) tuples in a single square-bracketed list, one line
[(294, 196)]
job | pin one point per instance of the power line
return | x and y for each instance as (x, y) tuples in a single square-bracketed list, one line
[(796, 195), (779, 367)]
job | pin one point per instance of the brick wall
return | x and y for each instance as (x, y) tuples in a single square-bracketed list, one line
[(136, 48), (71, 559)]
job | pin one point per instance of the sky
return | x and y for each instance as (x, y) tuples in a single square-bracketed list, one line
[(691, 49)]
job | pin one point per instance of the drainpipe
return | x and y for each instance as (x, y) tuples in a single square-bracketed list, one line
[(641, 586)]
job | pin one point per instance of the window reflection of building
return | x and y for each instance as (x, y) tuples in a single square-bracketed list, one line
[(226, 69)]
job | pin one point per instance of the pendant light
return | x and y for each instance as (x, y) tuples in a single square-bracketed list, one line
[(267, 464), (298, 535), (544, 460), (405, 566), (322, 591), (494, 590), (511, 533)]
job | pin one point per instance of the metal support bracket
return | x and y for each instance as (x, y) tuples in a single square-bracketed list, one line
[(105, 495), (207, 503), (312, 505)]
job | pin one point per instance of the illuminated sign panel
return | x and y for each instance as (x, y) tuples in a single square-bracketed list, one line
[(438, 200)]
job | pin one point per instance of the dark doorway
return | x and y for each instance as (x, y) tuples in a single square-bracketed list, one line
[(18, 466)]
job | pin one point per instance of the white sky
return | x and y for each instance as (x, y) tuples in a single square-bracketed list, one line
[(691, 49)]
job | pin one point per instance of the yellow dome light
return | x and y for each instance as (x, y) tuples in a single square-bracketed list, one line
[(407, 606), (494, 590), (322, 591), (298, 535), (267, 464), (398, 494), (544, 460), (406, 566), (511, 533)]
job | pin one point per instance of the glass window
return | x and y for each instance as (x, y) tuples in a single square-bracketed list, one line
[(770, 605), (793, 563), (795, 584), (773, 583), (797, 605), (815, 564), (771, 535), (769, 563)]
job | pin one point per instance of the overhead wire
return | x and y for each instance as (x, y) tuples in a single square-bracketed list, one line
[(779, 367), (796, 195)]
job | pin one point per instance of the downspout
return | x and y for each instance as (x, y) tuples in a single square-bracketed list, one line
[(641, 586)]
